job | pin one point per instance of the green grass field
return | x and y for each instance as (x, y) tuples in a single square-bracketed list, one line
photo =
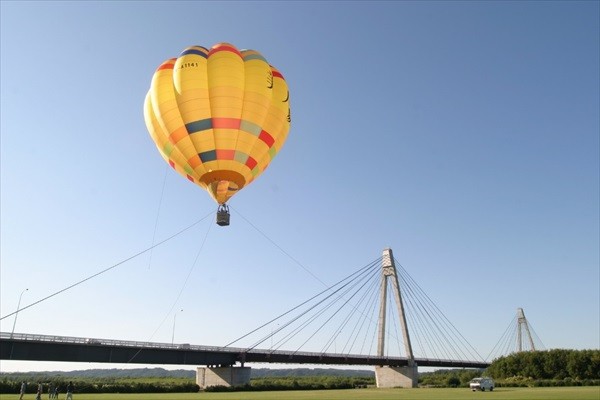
[(559, 393)]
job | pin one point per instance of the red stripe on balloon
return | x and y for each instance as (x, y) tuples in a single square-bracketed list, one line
[(265, 137), (226, 123), (251, 163), (276, 73), (225, 154), (224, 47), (169, 64)]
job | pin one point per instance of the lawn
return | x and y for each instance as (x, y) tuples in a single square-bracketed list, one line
[(558, 393)]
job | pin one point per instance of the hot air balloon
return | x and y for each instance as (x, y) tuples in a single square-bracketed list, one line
[(218, 117)]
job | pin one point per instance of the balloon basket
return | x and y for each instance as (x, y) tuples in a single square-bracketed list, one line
[(223, 215)]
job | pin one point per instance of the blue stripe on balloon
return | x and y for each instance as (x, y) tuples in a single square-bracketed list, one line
[(207, 156), (194, 51), (199, 126)]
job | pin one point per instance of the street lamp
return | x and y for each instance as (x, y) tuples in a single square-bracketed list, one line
[(17, 313), (173, 336)]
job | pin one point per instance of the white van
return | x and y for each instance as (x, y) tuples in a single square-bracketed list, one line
[(482, 384)]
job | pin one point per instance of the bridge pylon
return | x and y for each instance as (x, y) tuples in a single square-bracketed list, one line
[(522, 324), (388, 376)]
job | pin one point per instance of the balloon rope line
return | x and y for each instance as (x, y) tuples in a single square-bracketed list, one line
[(109, 268), (162, 193), (179, 294), (280, 248)]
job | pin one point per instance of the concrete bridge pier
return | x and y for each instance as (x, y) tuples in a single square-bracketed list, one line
[(222, 376), (390, 377)]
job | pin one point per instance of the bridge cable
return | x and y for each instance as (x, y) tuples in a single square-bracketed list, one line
[(370, 297), (536, 338), (296, 308), (335, 313), (109, 268), (449, 328), (414, 319), (304, 324), (345, 321), (503, 339), (367, 299), (436, 326), (512, 340), (368, 293), (372, 307), (429, 325)]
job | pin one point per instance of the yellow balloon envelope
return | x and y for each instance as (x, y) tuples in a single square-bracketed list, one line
[(218, 116)]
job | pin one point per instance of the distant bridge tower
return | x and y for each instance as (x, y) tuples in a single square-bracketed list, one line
[(523, 325), (387, 376), (519, 336)]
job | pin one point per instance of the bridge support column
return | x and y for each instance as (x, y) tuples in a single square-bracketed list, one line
[(222, 376), (389, 377)]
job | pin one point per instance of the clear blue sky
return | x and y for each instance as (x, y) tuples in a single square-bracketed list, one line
[(463, 135)]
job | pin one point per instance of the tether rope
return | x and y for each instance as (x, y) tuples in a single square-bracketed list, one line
[(109, 268), (279, 247), (162, 193), (179, 294)]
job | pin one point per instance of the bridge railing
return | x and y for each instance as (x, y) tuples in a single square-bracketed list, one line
[(264, 354), (184, 346), (108, 342), (157, 345)]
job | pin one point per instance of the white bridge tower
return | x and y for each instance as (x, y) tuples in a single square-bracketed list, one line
[(388, 376), (522, 325)]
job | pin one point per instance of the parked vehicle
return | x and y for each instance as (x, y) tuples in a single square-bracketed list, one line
[(482, 384)]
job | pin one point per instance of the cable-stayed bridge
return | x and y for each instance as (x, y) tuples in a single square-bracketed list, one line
[(377, 316)]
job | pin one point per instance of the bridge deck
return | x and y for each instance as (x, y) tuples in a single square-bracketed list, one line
[(62, 348)]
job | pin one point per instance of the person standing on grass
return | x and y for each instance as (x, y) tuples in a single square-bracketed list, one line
[(23, 388), (39, 391), (69, 391)]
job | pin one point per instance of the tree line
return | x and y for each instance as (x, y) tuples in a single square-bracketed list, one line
[(557, 367), (558, 364), (533, 368)]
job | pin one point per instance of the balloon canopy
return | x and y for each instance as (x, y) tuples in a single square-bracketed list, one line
[(218, 116)]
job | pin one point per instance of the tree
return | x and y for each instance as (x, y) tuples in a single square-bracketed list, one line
[(453, 381)]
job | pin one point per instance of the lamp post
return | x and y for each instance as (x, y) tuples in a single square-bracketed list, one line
[(173, 336), (17, 313)]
